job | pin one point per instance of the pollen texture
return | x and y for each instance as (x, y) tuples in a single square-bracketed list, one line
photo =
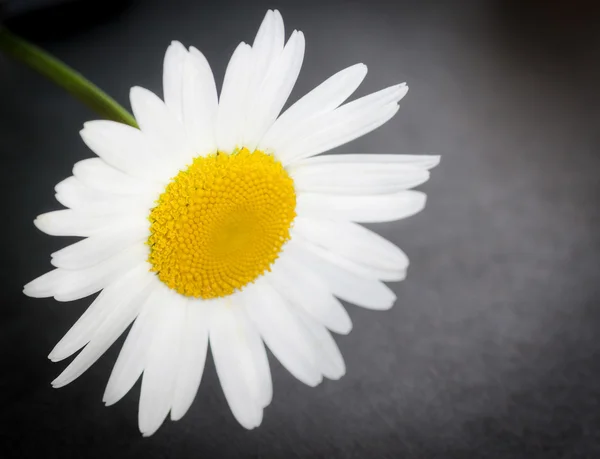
[(221, 223)]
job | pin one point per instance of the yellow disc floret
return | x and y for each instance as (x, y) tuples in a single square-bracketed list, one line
[(221, 223)]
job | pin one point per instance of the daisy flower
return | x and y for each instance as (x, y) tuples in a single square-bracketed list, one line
[(215, 224)]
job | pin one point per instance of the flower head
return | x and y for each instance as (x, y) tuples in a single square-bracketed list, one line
[(217, 225)]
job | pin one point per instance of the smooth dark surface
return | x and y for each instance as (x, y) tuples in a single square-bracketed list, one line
[(492, 350)]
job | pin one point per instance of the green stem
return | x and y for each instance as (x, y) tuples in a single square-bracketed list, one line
[(65, 77)]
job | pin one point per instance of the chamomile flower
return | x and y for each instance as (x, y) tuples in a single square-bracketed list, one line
[(216, 225)]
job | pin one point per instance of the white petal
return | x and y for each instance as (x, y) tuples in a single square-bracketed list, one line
[(360, 179), (355, 243), (305, 290), (95, 249), (200, 103), (362, 291), (71, 185), (69, 285), (235, 367), (392, 94), (75, 195), (73, 223), (337, 128), (173, 77), (350, 265), (263, 41), (133, 356), (365, 209), (266, 48), (106, 334), (342, 125), (162, 364), (230, 119), (165, 133), (258, 355), (281, 331), (87, 281), (329, 358), (112, 297), (123, 147), (98, 175), (279, 35), (45, 285), (420, 161), (275, 89), (194, 343), (322, 99)]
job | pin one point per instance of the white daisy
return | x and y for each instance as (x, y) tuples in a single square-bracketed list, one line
[(216, 223)]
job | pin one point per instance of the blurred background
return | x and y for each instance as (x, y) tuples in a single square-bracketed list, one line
[(492, 350)]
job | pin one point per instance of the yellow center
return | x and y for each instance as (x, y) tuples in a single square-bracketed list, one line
[(221, 223)]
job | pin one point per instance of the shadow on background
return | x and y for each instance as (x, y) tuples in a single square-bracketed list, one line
[(60, 19)]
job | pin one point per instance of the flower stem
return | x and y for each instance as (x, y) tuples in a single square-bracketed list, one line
[(65, 77)]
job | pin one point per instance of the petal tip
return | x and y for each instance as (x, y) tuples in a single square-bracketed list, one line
[(176, 416), (347, 329), (40, 222), (31, 291)]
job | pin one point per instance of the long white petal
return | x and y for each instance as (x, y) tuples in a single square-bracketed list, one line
[(173, 77), (98, 175), (341, 125), (72, 185), (281, 331), (364, 209), (365, 292), (230, 119), (113, 296), (263, 41), (329, 358), (95, 249), (194, 344), (123, 147), (275, 89), (322, 99), (335, 129), (75, 195), (258, 355), (350, 265), (265, 49), (106, 334), (355, 243), (85, 282), (420, 161), (133, 356), (74, 223), (163, 130), (267, 44), (162, 364), (45, 285), (69, 285), (200, 103), (305, 290), (356, 179), (235, 367), (279, 34)]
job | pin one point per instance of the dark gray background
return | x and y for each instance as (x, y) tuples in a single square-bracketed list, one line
[(492, 349)]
